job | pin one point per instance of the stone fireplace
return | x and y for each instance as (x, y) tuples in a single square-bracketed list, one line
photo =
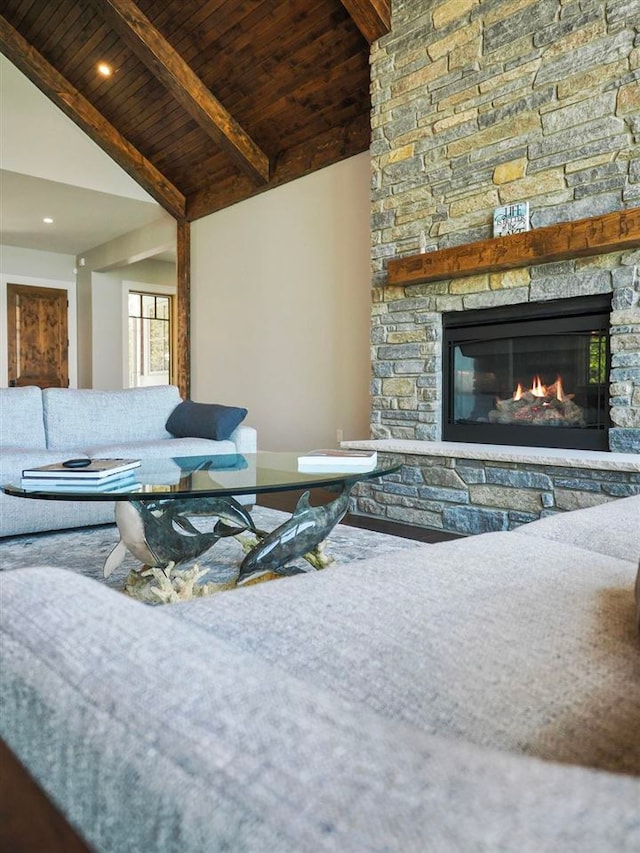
[(475, 105), (410, 354), (464, 486)]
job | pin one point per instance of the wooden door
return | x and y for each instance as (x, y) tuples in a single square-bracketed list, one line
[(37, 336)]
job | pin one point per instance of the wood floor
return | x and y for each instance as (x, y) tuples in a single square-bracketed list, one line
[(29, 822)]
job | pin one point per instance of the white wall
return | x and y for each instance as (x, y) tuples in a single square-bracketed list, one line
[(109, 292), (107, 340), (280, 308), (39, 269), (135, 246), (100, 297)]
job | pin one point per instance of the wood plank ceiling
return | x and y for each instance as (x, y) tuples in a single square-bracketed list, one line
[(210, 101)]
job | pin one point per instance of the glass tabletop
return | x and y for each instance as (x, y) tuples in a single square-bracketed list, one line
[(204, 476)]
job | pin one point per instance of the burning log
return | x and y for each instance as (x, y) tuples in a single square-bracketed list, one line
[(541, 405)]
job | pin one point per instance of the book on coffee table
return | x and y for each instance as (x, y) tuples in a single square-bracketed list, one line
[(108, 485), (337, 460), (97, 470)]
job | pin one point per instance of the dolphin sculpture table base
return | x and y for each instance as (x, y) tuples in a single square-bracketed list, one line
[(299, 535), (159, 533)]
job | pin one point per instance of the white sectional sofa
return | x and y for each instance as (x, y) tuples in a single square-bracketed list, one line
[(38, 427), (481, 694)]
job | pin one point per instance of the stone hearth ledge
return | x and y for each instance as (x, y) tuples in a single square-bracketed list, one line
[(561, 457)]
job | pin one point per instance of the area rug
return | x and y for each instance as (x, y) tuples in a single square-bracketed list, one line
[(84, 551)]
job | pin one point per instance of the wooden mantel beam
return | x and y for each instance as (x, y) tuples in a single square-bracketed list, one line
[(151, 47), (372, 17), (611, 232), (74, 105)]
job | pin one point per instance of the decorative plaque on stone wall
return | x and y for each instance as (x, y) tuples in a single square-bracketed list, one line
[(511, 219)]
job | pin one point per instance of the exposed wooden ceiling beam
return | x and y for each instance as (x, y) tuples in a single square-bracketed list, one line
[(330, 147), (151, 47), (79, 110), (372, 17)]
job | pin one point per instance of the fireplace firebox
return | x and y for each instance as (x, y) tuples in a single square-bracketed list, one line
[(530, 374)]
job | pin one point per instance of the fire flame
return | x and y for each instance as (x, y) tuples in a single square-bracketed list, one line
[(539, 390), (541, 404)]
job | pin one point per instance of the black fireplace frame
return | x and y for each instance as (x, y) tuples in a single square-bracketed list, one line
[(571, 314)]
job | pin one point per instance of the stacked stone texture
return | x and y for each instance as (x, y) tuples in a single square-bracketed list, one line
[(474, 496), (477, 104), (406, 336), (480, 103)]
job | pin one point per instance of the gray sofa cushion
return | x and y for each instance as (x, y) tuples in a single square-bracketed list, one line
[(479, 638), (75, 418), (609, 528), (16, 514), (215, 749), (21, 418), (160, 449)]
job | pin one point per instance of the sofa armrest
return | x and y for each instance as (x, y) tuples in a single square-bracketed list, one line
[(245, 439), (152, 734), (611, 528)]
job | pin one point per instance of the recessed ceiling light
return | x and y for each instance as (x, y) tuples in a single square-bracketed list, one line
[(48, 220), (105, 69)]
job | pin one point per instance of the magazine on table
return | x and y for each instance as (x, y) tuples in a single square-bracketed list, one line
[(105, 486), (82, 470), (337, 460)]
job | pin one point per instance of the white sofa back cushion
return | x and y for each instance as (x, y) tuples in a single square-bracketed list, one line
[(75, 418), (21, 418)]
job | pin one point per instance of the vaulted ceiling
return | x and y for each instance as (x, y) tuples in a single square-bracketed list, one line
[(210, 101)]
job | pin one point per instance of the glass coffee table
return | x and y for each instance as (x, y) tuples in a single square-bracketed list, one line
[(154, 514)]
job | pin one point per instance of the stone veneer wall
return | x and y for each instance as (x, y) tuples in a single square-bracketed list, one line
[(478, 103), (406, 339), (463, 494)]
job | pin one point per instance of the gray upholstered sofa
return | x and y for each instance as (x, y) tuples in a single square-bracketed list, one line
[(38, 427), (481, 694)]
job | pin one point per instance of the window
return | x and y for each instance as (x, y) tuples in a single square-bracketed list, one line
[(149, 339)]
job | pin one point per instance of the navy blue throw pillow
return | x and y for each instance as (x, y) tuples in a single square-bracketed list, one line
[(204, 420)]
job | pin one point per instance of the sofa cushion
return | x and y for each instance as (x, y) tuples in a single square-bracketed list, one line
[(504, 640), (161, 449), (13, 461), (76, 418), (609, 528), (154, 735), (17, 514), (204, 420), (21, 418)]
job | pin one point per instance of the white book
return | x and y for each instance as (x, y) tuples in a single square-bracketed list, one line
[(113, 486), (337, 460), (96, 470)]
